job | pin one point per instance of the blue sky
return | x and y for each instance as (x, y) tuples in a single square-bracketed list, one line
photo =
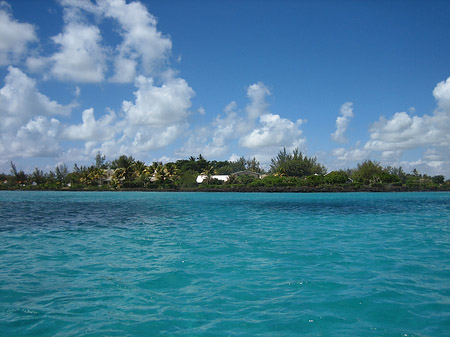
[(161, 80)]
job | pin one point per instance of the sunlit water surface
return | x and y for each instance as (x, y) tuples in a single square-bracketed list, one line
[(224, 264)]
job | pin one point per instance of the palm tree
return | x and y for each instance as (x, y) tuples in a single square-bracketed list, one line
[(125, 167), (139, 168), (97, 174), (161, 174), (208, 171), (171, 171)]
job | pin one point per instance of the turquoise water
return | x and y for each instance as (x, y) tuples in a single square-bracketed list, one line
[(224, 264)]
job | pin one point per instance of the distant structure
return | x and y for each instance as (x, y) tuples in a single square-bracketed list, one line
[(224, 178), (246, 173), (221, 177)]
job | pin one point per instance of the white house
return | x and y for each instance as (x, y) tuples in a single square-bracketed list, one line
[(221, 177)]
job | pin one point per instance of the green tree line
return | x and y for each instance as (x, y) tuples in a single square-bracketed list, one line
[(286, 169)]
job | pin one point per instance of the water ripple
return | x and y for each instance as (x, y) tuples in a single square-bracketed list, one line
[(191, 264)]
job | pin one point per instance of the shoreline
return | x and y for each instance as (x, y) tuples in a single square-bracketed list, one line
[(242, 189)]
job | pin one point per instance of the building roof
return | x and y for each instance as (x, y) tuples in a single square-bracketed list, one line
[(246, 173)]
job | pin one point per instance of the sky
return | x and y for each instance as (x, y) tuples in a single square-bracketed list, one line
[(344, 81)]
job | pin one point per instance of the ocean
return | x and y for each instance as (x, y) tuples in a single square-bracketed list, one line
[(224, 264)]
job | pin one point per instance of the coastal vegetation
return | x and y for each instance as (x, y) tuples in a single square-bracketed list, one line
[(288, 172)]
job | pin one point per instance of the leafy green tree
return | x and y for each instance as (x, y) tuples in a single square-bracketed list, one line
[(38, 176), (439, 179), (19, 177), (253, 165), (295, 164), (100, 161), (398, 172), (336, 177), (188, 179), (61, 172), (368, 172)]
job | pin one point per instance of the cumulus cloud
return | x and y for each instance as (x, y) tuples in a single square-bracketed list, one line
[(404, 131), (38, 138), (271, 131), (156, 138), (141, 39), (352, 155), (255, 129), (257, 94), (213, 141), (14, 37), (442, 95), (346, 114), (274, 131), (20, 100), (91, 129), (158, 105), (25, 129), (81, 57), (155, 119), (143, 49)]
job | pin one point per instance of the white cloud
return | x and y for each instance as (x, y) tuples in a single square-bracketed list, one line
[(350, 155), (213, 140), (20, 100), (266, 134), (274, 132), (442, 94), (38, 138), (25, 129), (141, 39), (404, 131), (158, 105), (152, 139), (14, 37), (391, 138), (257, 94), (156, 118), (81, 58), (91, 129), (342, 123), (125, 70)]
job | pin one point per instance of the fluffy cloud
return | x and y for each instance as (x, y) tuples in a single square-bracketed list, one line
[(442, 95), (404, 131), (38, 138), (25, 128), (342, 123), (91, 129), (274, 132), (158, 105), (257, 94), (271, 132), (14, 37), (20, 100), (255, 128), (141, 39), (81, 58), (354, 155), (213, 141), (390, 138), (156, 118), (156, 138)]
